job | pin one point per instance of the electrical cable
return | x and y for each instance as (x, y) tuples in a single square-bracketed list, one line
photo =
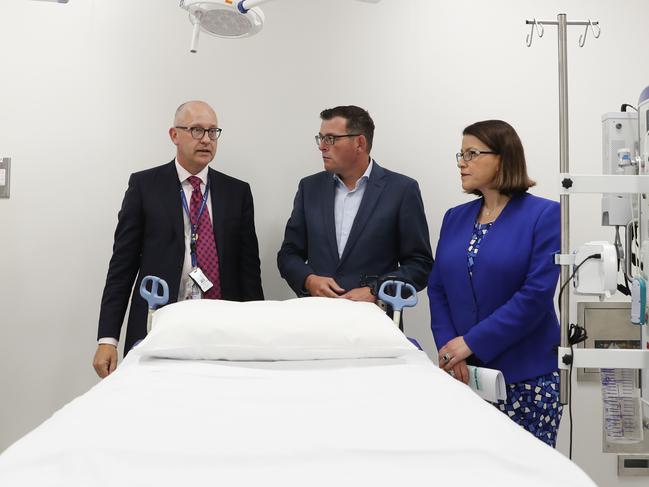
[(622, 288), (563, 286), (576, 334)]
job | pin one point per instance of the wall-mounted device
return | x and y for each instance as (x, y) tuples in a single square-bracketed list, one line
[(596, 276), (5, 176), (619, 156)]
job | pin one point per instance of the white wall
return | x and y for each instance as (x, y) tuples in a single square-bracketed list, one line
[(89, 89)]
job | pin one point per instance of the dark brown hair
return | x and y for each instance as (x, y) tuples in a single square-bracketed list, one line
[(501, 138), (358, 121)]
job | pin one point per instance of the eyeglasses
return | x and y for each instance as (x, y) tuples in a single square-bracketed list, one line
[(331, 139), (199, 132), (471, 154)]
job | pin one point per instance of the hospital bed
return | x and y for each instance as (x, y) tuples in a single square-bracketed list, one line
[(306, 392)]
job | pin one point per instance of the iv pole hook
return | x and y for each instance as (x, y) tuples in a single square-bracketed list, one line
[(594, 28), (539, 31)]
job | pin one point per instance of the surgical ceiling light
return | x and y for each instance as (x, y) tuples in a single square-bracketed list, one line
[(230, 19)]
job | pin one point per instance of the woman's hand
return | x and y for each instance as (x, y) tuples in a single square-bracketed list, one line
[(452, 358), (460, 371)]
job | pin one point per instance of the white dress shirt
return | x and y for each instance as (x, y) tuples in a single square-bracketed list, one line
[(346, 204), (183, 176)]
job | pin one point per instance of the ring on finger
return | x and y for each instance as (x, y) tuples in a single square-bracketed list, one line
[(451, 373), (447, 357)]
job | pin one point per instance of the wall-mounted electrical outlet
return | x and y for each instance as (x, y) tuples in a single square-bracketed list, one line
[(5, 176)]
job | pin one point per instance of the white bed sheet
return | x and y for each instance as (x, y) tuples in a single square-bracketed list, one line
[(368, 422)]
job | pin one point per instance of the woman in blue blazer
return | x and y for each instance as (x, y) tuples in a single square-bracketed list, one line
[(492, 286)]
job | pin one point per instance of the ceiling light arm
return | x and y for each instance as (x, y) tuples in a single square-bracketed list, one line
[(193, 48), (244, 5)]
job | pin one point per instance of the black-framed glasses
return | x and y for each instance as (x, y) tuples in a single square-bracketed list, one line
[(199, 132), (331, 139), (471, 154)]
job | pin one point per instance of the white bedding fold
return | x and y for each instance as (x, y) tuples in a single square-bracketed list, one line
[(335, 422)]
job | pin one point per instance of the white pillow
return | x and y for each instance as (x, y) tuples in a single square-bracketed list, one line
[(297, 329)]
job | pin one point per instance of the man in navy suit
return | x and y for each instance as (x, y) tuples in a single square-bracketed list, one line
[(153, 234), (354, 222)]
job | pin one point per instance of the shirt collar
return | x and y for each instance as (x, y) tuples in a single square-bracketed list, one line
[(364, 177), (183, 173)]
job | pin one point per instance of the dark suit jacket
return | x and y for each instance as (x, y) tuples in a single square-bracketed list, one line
[(389, 234), (149, 240), (505, 310)]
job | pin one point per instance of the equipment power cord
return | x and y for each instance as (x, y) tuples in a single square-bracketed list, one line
[(576, 334), (563, 286)]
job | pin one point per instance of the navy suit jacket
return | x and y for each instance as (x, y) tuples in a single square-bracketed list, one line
[(389, 233), (150, 240), (505, 311)]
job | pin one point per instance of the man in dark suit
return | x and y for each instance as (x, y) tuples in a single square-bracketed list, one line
[(355, 221), (160, 218)]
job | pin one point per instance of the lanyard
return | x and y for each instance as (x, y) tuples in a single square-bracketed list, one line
[(194, 226)]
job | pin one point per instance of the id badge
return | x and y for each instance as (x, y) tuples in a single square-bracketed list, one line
[(193, 291), (201, 279)]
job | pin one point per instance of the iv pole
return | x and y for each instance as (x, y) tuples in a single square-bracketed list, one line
[(564, 165)]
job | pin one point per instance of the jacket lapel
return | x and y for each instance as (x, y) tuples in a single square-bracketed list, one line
[(170, 194), (501, 221), (329, 193), (219, 204), (375, 185)]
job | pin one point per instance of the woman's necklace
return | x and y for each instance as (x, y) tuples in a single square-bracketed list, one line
[(495, 211)]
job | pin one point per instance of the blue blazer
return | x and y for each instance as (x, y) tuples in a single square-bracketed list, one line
[(505, 311), (389, 233)]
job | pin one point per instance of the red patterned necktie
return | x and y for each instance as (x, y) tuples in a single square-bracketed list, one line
[(207, 258)]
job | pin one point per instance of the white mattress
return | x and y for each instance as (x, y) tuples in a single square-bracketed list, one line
[(362, 422)]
